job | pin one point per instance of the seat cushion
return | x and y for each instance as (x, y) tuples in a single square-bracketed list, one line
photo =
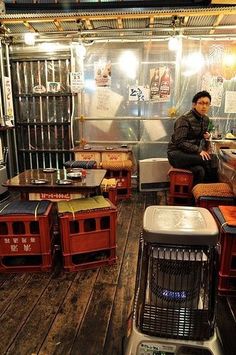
[(220, 189)]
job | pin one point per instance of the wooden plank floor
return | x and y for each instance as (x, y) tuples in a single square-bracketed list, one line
[(83, 312)]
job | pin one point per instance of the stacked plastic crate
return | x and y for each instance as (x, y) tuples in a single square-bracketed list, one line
[(225, 216), (121, 171), (88, 232), (26, 236)]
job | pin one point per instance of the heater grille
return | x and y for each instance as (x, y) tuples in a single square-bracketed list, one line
[(177, 287)]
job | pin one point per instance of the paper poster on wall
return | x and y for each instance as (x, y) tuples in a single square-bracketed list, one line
[(8, 96), (53, 86), (104, 103), (39, 89), (154, 129), (102, 73), (139, 93), (230, 102), (160, 84), (214, 85), (77, 81)]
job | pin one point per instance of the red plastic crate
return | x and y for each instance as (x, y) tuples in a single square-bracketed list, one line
[(209, 202), (226, 285), (123, 194), (228, 253), (111, 194), (123, 178), (181, 183), (227, 267), (26, 241), (88, 234)]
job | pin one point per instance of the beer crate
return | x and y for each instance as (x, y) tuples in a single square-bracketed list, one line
[(123, 178), (88, 238), (227, 269), (26, 236)]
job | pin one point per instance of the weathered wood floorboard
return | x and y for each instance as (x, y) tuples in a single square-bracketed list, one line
[(100, 306), (10, 288), (125, 291), (83, 312), (62, 333), (35, 329)]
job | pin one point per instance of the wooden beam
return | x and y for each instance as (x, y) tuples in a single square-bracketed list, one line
[(88, 24), (216, 23), (29, 26), (120, 23), (58, 25), (151, 24)]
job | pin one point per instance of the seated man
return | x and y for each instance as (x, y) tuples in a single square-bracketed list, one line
[(189, 145)]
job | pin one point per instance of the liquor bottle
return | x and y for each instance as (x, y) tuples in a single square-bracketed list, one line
[(154, 85), (165, 84)]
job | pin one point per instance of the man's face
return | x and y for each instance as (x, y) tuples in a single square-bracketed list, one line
[(202, 105)]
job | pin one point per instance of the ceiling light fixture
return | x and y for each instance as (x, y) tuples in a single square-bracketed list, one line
[(173, 44), (29, 38)]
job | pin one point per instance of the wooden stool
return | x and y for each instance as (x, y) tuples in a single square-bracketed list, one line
[(181, 183), (212, 195)]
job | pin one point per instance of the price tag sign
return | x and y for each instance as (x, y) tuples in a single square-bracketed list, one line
[(77, 81)]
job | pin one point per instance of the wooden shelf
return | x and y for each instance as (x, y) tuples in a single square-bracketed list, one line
[(45, 150), (45, 94), (43, 123), (6, 128)]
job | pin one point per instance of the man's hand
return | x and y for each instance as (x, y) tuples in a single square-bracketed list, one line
[(205, 155), (206, 135)]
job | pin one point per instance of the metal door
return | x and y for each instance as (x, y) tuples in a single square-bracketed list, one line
[(43, 104)]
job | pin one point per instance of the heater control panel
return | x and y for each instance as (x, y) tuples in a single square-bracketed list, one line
[(146, 348)]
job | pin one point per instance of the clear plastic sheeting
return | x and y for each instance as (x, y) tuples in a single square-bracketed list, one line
[(131, 92)]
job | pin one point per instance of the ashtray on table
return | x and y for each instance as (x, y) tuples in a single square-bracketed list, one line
[(63, 182), (74, 174), (39, 181), (49, 170)]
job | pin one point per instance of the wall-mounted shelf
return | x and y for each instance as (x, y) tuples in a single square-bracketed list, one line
[(43, 123), (45, 94)]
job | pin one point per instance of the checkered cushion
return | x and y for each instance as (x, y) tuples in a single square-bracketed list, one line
[(84, 164), (24, 207), (220, 189), (117, 165)]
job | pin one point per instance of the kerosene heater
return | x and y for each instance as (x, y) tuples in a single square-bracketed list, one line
[(175, 293)]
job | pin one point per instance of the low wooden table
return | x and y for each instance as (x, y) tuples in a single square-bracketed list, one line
[(51, 190)]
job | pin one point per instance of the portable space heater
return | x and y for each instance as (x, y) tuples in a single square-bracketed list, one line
[(176, 283), (153, 174)]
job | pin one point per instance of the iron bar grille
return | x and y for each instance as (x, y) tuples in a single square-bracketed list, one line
[(42, 116), (176, 293)]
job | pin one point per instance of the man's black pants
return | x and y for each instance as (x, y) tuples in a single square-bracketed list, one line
[(203, 170)]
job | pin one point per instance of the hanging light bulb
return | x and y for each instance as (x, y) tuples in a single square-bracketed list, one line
[(193, 63), (29, 38), (128, 63), (173, 43)]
